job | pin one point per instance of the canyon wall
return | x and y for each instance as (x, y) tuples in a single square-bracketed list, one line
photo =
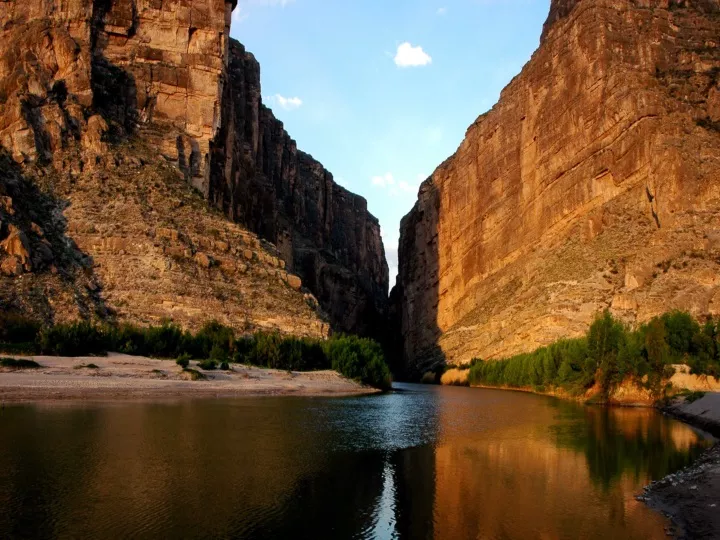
[(593, 183), (129, 121), (325, 233)]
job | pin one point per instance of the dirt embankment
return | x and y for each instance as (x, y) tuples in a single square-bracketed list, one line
[(119, 376)]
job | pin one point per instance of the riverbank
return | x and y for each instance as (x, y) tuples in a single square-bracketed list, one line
[(120, 376), (691, 497), (627, 394)]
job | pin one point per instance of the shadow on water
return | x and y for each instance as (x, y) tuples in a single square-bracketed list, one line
[(422, 463)]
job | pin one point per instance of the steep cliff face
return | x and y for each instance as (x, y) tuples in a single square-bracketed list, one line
[(153, 65), (101, 100), (593, 183), (324, 232), (108, 109)]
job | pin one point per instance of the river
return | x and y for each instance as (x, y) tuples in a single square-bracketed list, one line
[(420, 462)]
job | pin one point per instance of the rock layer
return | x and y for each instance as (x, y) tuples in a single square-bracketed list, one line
[(102, 104), (593, 183)]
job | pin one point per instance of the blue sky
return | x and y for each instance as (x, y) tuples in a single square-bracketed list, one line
[(382, 91)]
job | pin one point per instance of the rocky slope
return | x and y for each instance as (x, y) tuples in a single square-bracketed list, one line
[(593, 183), (111, 112)]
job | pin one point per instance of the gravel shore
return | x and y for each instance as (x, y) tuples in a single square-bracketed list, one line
[(691, 497)]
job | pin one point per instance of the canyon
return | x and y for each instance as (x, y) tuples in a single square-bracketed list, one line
[(592, 184), (142, 179)]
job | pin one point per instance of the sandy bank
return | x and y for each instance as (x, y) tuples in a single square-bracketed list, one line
[(120, 376)]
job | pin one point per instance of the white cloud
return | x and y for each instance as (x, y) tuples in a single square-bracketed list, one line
[(384, 181), (442, 11), (409, 56), (241, 12), (239, 15), (287, 103), (394, 187)]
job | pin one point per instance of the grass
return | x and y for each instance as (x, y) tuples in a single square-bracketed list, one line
[(18, 364)]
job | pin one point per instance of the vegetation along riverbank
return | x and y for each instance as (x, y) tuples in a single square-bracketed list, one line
[(212, 353), (612, 363)]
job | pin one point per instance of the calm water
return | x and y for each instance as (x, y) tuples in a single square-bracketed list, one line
[(427, 462)]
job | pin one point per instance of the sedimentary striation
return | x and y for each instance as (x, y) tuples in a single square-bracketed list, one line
[(126, 127), (593, 183)]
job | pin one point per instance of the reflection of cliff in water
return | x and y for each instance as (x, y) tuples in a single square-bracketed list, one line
[(621, 441), (530, 467)]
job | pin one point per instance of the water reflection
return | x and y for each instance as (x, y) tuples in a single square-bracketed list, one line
[(425, 463)]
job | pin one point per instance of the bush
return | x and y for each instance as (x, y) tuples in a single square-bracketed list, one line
[(359, 359), (18, 364), (15, 328), (207, 365), (183, 361), (225, 366), (76, 339)]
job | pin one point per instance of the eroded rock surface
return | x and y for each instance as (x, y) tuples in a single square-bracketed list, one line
[(109, 111), (592, 184), (80, 79)]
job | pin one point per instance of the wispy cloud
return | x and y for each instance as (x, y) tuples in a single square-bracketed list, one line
[(442, 11), (383, 181), (287, 103), (409, 56), (239, 15), (241, 11), (394, 187)]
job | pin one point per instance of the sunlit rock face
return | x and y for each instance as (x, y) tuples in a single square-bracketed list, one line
[(136, 62), (105, 100), (592, 184)]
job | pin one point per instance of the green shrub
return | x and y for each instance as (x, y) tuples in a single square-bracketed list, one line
[(183, 361), (359, 359), (18, 364), (694, 396), (207, 365), (75, 339), (225, 366), (26, 349), (15, 328)]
